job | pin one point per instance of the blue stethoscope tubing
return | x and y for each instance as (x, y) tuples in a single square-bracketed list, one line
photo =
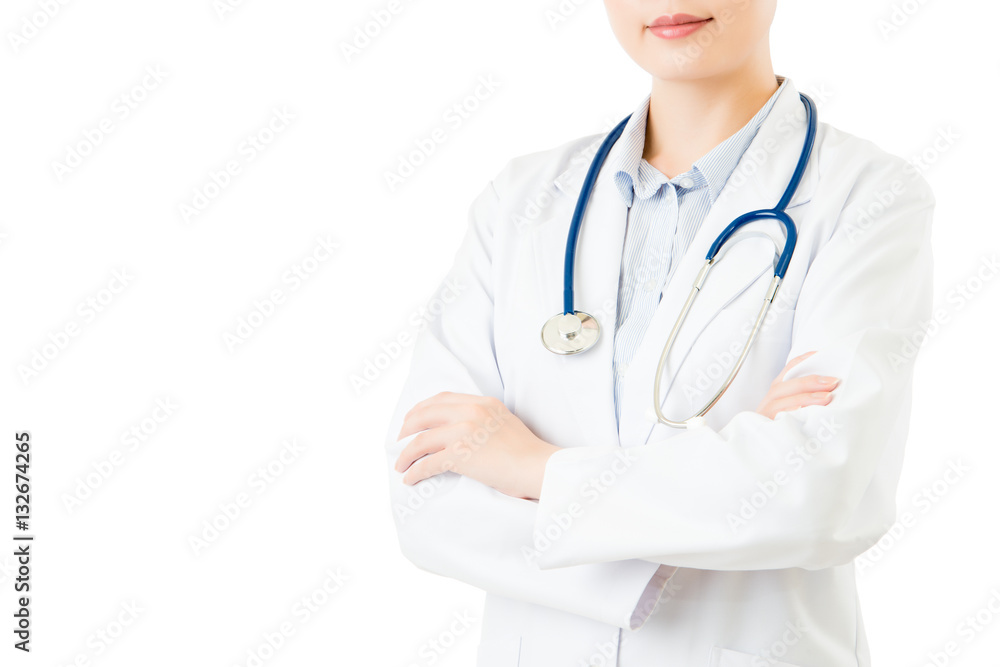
[(574, 331)]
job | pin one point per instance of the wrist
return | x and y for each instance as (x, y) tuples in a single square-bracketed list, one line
[(545, 451)]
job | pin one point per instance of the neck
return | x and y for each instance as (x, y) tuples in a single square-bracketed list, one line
[(687, 119)]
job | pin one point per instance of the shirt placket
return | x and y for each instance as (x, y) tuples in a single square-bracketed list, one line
[(644, 279)]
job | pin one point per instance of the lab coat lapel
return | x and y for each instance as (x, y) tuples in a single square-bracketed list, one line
[(783, 132), (586, 379)]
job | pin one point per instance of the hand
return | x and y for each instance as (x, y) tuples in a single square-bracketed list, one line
[(475, 436), (786, 395)]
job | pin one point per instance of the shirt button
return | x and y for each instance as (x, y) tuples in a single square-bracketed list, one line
[(650, 285), (686, 182), (623, 369)]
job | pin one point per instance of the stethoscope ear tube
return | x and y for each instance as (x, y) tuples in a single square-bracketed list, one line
[(573, 331), (581, 207), (696, 418), (791, 236)]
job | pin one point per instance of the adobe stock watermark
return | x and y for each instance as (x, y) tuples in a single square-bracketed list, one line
[(649, 606), (292, 279), (87, 310), (365, 34), (884, 199), (32, 24), (925, 499), (652, 260), (107, 635), (223, 8), (788, 126), (778, 649), (434, 648), (900, 14), (591, 490), (535, 205), (417, 498), (427, 488), (881, 202), (966, 630), (921, 162), (230, 511), (218, 180), (711, 375), (122, 106), (373, 366), (303, 610), (454, 117), (605, 653), (957, 299), (796, 459), (131, 440), (705, 36), (559, 13)]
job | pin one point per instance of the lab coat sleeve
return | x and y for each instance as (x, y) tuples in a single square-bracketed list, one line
[(458, 527), (813, 488)]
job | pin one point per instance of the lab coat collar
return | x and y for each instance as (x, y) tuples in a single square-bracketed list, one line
[(714, 167), (786, 115)]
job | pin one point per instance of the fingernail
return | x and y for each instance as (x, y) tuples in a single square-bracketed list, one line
[(828, 380)]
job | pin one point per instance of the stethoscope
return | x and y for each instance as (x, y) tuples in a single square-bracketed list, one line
[(574, 331)]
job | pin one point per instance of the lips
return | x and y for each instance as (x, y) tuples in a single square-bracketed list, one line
[(677, 26), (676, 19)]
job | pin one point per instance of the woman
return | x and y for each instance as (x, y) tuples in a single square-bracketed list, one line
[(601, 536)]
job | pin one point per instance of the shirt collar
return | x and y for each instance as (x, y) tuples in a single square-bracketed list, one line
[(634, 177)]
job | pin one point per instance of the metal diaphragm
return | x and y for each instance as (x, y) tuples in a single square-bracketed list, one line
[(570, 333)]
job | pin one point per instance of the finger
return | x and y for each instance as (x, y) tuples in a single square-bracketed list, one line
[(803, 385), (797, 401), (432, 415), (428, 442), (428, 466), (791, 363), (448, 397), (441, 398)]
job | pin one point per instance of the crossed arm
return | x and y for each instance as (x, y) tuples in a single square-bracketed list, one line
[(512, 459), (463, 502)]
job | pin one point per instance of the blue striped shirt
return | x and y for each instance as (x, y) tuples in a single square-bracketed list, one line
[(663, 217)]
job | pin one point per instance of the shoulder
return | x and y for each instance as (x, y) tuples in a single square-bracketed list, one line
[(541, 174), (867, 197), (865, 171), (531, 186), (527, 185)]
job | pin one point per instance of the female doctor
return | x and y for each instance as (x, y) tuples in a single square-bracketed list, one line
[(602, 534)]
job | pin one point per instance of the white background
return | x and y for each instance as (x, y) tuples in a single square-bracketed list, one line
[(323, 176)]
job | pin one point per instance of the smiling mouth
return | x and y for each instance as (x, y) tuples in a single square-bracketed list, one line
[(677, 25), (679, 18)]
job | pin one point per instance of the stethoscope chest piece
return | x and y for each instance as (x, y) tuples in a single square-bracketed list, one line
[(570, 333)]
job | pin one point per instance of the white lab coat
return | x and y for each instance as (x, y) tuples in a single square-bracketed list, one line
[(757, 520)]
